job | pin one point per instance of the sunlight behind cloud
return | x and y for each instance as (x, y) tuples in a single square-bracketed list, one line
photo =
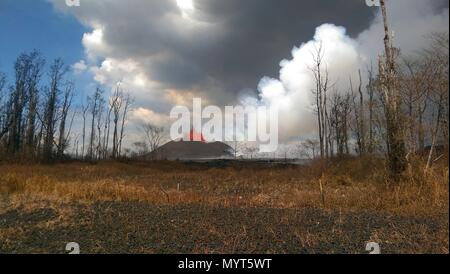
[(186, 5)]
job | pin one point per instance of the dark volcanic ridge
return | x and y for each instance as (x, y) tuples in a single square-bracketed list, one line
[(190, 150)]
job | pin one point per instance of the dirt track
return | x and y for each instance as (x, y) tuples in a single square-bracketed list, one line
[(115, 227)]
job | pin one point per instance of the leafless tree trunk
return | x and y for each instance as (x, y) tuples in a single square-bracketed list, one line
[(67, 102), (84, 110), (322, 85), (4, 123), (99, 151), (116, 105), (107, 130), (127, 105), (340, 110), (37, 63), (359, 127), (371, 103), (17, 103), (395, 139), (57, 72), (95, 105), (435, 131), (440, 94)]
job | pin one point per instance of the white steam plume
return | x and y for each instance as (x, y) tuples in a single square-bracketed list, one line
[(293, 94)]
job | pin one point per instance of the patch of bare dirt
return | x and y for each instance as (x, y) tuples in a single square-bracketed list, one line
[(118, 227)]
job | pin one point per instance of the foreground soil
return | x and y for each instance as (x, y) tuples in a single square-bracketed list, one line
[(117, 227), (222, 207)]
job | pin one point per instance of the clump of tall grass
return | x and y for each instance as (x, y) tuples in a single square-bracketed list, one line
[(345, 184), (12, 183)]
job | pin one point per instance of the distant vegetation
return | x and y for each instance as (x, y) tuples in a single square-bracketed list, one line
[(400, 114)]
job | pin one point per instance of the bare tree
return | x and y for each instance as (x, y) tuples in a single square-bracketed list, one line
[(116, 104), (321, 76), (34, 78), (17, 102), (236, 148), (99, 146), (340, 112), (57, 71), (154, 137), (108, 127), (371, 105), (84, 110), (251, 150), (440, 94), (95, 103), (312, 146), (128, 101), (4, 125), (141, 148), (388, 79), (358, 108), (65, 108)]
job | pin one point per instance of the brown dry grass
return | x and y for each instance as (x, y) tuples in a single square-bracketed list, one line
[(349, 185), (352, 188)]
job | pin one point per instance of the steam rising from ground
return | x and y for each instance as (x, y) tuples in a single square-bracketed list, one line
[(411, 21), (293, 94)]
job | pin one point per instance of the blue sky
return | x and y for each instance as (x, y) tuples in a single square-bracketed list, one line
[(166, 52), (34, 24)]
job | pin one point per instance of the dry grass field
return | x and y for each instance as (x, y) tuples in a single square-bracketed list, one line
[(222, 207)]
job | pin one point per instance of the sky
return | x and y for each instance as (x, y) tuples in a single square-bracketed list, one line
[(29, 24), (165, 52)]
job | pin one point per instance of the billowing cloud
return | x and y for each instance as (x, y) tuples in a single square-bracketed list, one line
[(411, 21), (343, 56), (168, 51), (79, 66), (292, 93), (215, 48)]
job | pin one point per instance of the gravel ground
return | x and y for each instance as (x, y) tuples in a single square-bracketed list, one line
[(116, 227)]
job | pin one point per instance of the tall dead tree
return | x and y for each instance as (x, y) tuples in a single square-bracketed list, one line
[(321, 76), (107, 128), (101, 106), (416, 85), (326, 118), (94, 103), (3, 107), (439, 96), (57, 72), (371, 105), (116, 105), (34, 78), (358, 108), (65, 108), (128, 101), (17, 103), (422, 104), (340, 112), (387, 71), (84, 111)]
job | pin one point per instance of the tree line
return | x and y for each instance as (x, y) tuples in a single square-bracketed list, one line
[(37, 114), (400, 111)]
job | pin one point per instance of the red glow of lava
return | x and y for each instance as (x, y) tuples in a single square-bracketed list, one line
[(196, 137)]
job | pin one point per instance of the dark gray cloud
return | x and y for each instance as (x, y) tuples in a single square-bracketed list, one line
[(236, 42), (166, 55), (260, 33)]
